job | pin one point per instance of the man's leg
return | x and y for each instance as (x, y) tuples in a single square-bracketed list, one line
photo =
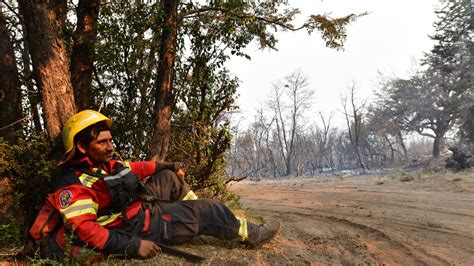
[(166, 185), (188, 219)]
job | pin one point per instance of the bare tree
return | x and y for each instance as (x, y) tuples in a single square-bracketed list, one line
[(260, 131), (323, 138), (354, 122), (289, 114)]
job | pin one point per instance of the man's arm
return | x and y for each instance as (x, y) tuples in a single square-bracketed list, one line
[(147, 168), (78, 207)]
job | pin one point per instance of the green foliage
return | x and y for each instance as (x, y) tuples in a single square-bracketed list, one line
[(205, 95), (29, 168), (126, 63), (9, 232)]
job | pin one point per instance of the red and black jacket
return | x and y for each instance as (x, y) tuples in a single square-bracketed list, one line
[(85, 203)]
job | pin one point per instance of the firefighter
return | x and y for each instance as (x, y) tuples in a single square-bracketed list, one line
[(117, 207)]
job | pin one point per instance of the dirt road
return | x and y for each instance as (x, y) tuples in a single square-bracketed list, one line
[(397, 220)]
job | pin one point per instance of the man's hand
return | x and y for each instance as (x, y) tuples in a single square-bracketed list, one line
[(181, 174), (148, 249), (178, 169)]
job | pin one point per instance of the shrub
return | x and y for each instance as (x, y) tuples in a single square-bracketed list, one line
[(28, 167)]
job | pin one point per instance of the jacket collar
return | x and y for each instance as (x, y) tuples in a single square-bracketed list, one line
[(86, 163)]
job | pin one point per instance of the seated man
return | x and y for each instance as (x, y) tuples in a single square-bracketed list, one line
[(125, 207)]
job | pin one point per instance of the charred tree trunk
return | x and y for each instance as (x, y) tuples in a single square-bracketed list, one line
[(43, 21), (164, 99), (10, 94), (83, 51)]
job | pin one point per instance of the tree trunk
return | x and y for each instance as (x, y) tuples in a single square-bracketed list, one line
[(50, 61), (164, 84), (402, 143), (288, 166), (437, 144), (442, 126), (360, 159), (83, 52), (392, 150), (10, 94), (31, 91)]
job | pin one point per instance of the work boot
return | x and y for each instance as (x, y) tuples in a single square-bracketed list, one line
[(261, 234)]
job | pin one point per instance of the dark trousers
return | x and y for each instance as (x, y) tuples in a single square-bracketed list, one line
[(177, 221)]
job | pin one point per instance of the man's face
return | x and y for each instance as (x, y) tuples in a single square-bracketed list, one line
[(100, 149)]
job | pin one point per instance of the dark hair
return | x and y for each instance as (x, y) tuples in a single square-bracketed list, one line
[(88, 134)]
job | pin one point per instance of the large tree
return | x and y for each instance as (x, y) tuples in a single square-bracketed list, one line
[(10, 95), (164, 82), (413, 105), (43, 22), (83, 51), (434, 100), (450, 73)]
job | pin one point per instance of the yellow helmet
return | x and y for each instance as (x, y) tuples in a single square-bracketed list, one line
[(76, 124)]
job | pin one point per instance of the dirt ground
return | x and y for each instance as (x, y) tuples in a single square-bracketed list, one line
[(396, 219)]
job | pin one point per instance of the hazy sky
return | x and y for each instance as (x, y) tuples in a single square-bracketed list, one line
[(390, 39)]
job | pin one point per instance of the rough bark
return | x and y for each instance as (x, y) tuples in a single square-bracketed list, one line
[(164, 84), (83, 53), (10, 94), (50, 61)]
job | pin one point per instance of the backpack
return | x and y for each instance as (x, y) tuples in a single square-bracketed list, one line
[(47, 223)]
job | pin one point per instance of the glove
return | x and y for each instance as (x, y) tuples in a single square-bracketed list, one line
[(178, 169), (174, 166)]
